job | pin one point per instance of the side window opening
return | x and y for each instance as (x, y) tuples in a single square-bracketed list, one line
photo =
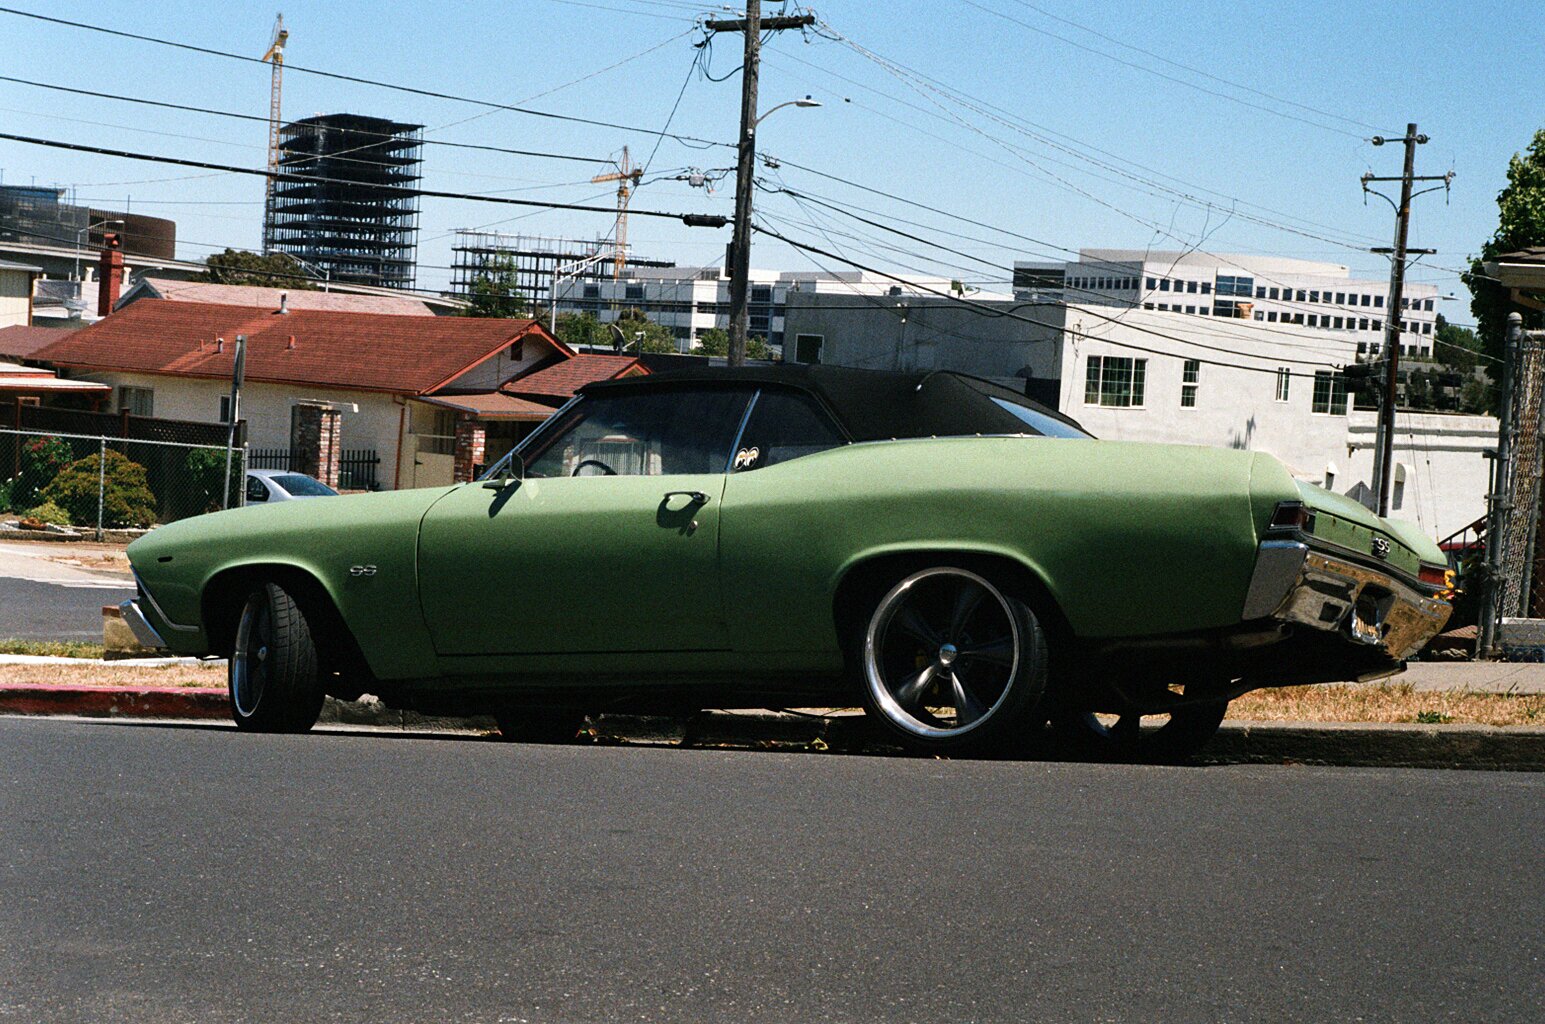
[(654, 433), (785, 425)]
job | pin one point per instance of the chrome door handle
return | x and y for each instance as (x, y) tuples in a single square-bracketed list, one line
[(696, 497)]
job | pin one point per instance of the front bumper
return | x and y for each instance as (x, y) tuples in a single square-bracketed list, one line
[(1294, 584), (143, 631)]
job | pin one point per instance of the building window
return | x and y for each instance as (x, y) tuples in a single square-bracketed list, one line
[(1147, 305), (1362, 324), (1163, 284), (138, 401), (1152, 284), (1229, 284), (1259, 315), (1427, 305), (1338, 322), (1330, 393), (1191, 310), (1367, 300), (1314, 320), (807, 347), (1378, 300), (1191, 287), (1284, 380), (1341, 298), (1115, 381), (592, 291), (1260, 291), (1314, 296), (633, 292), (1274, 293), (225, 408), (1190, 379), (1271, 316)]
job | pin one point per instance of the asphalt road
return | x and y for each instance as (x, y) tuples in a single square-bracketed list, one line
[(197, 874), (44, 600)]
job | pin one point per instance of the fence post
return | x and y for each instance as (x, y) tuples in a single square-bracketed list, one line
[(101, 481)]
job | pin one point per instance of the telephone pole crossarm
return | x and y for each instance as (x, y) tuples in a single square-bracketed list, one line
[(776, 23)]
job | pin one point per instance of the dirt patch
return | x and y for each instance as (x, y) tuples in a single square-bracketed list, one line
[(110, 674), (1388, 702)]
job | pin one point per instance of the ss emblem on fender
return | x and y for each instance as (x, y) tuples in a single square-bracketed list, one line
[(746, 457), (362, 570), (1380, 547)]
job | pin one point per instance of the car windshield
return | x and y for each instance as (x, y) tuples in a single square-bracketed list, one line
[(302, 486), (1038, 421)]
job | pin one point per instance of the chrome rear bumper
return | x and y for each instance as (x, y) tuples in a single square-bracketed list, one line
[(135, 619), (1294, 584)]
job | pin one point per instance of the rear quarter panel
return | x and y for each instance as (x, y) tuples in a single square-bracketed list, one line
[(324, 537), (1130, 539)]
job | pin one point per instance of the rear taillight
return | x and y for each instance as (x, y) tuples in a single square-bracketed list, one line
[(1289, 515), (1436, 576)]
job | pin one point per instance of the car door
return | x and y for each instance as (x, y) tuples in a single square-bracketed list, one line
[(777, 528), (609, 542)]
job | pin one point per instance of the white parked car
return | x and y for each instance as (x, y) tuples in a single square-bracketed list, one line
[(269, 485)]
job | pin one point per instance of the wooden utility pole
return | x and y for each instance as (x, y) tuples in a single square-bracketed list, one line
[(1384, 454), (751, 26)]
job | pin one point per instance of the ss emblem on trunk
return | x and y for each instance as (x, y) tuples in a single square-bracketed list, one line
[(362, 570), (1380, 547)]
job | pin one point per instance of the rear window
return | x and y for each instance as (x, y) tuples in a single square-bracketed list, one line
[(1038, 421), (303, 486)]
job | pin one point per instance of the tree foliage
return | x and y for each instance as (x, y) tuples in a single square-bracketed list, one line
[(579, 329), (1520, 224), (716, 342), (126, 496), (276, 270), (493, 292), (642, 335)]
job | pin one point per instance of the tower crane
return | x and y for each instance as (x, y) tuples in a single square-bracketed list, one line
[(626, 176), (274, 55)]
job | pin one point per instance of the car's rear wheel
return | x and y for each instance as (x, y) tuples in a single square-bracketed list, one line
[(540, 725), (273, 677), (1174, 737), (954, 664)]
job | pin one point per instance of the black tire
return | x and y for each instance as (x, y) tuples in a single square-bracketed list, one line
[(540, 725), (954, 664), (273, 679), (1184, 734)]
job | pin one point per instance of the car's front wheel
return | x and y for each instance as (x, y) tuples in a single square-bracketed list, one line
[(954, 664), (273, 677)]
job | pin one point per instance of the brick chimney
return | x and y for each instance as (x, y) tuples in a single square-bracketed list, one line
[(109, 273)]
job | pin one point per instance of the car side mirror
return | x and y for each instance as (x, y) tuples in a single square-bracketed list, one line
[(514, 469)]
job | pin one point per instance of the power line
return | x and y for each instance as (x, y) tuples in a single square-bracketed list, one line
[(690, 219), (254, 117), (359, 80), (987, 310)]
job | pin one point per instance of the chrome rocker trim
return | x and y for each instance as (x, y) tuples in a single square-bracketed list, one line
[(1292, 583), (143, 631)]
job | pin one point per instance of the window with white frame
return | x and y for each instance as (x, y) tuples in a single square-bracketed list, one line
[(1115, 381), (1330, 393), (1190, 380), (1284, 382)]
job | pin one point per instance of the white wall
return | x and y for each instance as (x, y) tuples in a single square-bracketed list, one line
[(1442, 459), (266, 408)]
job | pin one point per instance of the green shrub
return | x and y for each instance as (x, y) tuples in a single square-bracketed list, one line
[(48, 512), (205, 472), (41, 460), (127, 499)]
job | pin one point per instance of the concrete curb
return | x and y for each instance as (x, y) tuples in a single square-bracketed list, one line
[(152, 662), (1477, 747)]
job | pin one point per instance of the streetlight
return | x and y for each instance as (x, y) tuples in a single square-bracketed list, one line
[(85, 231), (740, 240)]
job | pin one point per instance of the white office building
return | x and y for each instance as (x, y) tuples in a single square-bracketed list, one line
[(1323, 297), (691, 300)]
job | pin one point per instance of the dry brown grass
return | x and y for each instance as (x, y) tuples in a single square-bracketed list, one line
[(109, 674), (1387, 702)]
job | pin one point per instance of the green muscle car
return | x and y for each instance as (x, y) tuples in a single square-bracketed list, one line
[(965, 563)]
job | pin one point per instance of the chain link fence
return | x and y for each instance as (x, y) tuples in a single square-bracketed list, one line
[(1521, 592), (98, 482)]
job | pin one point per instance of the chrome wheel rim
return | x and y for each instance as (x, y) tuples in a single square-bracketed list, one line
[(941, 653), (249, 658)]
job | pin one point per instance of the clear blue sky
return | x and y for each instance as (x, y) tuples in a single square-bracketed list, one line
[(1469, 74)]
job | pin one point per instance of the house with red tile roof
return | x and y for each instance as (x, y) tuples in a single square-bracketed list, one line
[(415, 390)]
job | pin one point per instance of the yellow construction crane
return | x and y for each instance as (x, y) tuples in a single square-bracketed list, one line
[(275, 54), (626, 176)]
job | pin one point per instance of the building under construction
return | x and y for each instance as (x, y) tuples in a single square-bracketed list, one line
[(41, 216), (528, 262), (347, 216)]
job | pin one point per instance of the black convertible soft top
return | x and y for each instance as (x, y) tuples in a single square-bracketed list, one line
[(874, 405)]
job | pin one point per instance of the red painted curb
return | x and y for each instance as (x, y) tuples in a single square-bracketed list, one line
[(115, 701)]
